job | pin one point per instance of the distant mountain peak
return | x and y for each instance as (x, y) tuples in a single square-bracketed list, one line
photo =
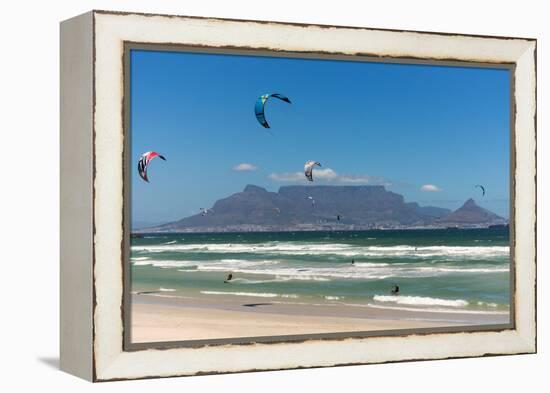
[(335, 208), (253, 188), (471, 213)]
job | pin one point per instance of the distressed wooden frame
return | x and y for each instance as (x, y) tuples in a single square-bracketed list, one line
[(93, 241)]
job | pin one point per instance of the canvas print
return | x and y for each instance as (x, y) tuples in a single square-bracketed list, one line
[(282, 196)]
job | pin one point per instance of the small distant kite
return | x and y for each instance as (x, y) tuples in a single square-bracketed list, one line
[(276, 209), (259, 108), (482, 189), (205, 212), (144, 161), (308, 169), (311, 199)]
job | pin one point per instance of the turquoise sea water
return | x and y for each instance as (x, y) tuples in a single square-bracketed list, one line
[(435, 269)]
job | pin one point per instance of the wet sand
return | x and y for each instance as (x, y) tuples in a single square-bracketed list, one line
[(159, 318)]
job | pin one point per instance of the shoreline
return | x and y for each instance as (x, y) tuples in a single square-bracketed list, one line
[(157, 317), (147, 231)]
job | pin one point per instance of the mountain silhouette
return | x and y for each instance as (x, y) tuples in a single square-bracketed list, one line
[(325, 208), (471, 213)]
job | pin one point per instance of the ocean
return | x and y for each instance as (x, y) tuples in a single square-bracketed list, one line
[(447, 269)]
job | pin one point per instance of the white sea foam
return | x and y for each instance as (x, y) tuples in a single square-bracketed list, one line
[(249, 294), (163, 295), (333, 297), (141, 263), (236, 265), (284, 270), (339, 249), (312, 274), (166, 289), (304, 277), (436, 310), (164, 263), (348, 271), (487, 304), (463, 270), (421, 301), (246, 281)]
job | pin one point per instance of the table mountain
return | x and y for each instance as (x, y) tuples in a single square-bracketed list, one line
[(291, 208)]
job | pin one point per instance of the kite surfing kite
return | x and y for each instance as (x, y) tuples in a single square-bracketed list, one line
[(205, 212), (311, 199), (308, 169), (259, 108), (144, 161), (482, 189)]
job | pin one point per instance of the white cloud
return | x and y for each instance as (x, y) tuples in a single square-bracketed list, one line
[(325, 174), (294, 176), (245, 167), (430, 188), (328, 175)]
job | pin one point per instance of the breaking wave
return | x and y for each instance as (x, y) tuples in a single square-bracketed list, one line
[(420, 301), (250, 294), (340, 249), (285, 270)]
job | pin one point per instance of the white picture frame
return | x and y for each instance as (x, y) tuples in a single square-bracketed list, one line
[(93, 193)]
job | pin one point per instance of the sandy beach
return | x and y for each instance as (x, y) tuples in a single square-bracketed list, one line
[(162, 318)]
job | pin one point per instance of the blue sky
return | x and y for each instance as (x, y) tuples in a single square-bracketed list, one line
[(405, 126)]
